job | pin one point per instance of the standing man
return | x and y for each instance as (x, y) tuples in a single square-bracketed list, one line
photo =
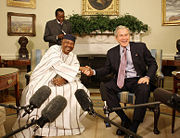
[(57, 28), (133, 67)]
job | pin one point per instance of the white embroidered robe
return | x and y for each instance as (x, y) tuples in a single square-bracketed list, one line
[(68, 122)]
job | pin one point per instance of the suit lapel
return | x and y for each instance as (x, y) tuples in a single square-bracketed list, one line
[(134, 54), (117, 54), (58, 25)]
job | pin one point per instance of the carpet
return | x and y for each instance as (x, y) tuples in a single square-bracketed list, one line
[(98, 103)]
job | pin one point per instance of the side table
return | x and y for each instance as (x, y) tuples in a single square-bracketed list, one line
[(17, 63), (10, 77)]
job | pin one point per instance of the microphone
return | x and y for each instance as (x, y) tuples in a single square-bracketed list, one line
[(84, 100), (87, 105), (168, 98), (37, 99), (49, 114), (52, 111)]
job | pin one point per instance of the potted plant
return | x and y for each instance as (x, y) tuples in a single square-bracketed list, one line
[(84, 25)]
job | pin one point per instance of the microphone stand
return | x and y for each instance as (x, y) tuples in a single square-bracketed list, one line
[(14, 107), (127, 131), (18, 108), (20, 129), (132, 106), (107, 110), (9, 106)]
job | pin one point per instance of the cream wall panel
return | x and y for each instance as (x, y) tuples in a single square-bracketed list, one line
[(149, 11)]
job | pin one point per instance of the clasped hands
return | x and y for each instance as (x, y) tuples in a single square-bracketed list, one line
[(59, 81), (88, 71)]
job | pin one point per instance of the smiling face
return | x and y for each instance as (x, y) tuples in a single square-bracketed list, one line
[(123, 36), (67, 46)]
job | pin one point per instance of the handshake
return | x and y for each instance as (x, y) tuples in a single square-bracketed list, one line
[(88, 71)]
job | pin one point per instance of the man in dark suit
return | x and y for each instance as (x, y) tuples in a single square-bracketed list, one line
[(140, 68), (57, 28)]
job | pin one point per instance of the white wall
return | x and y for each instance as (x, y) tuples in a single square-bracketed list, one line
[(148, 11)]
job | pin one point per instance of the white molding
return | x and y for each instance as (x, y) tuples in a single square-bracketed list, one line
[(168, 56), (92, 48), (9, 56), (136, 37)]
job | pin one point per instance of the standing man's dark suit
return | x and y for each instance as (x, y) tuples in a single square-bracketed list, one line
[(57, 28), (140, 70)]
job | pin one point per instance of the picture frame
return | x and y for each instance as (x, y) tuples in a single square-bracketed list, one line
[(22, 3), (94, 7), (170, 12), (20, 24)]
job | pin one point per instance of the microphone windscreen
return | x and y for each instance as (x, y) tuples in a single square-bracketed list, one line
[(54, 108), (168, 98), (40, 96), (84, 100)]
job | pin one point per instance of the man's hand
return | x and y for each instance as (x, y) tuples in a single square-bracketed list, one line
[(60, 36), (86, 70), (144, 80), (59, 81)]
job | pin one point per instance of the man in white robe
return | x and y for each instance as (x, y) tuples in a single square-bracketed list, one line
[(57, 69)]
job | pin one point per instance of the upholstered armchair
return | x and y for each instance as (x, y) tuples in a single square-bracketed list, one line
[(36, 55)]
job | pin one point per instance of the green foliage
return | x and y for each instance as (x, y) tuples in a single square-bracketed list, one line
[(85, 25)]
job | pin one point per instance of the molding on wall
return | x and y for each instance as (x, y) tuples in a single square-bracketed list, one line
[(9, 56), (99, 44), (105, 39), (92, 48), (88, 48), (168, 56)]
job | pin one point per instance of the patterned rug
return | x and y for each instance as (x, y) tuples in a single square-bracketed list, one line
[(98, 103)]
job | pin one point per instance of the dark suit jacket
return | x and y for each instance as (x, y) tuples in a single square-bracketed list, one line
[(144, 63), (53, 29)]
